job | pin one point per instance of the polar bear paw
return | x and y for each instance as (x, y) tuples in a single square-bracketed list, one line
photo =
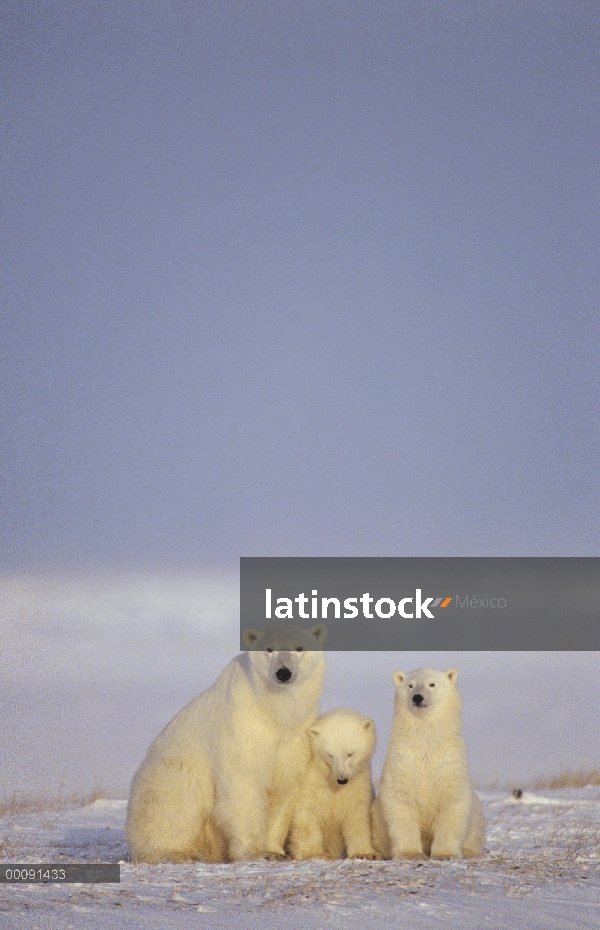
[(363, 854), (275, 856)]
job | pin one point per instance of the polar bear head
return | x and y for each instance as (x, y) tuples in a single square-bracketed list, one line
[(427, 692), (344, 740), (285, 653)]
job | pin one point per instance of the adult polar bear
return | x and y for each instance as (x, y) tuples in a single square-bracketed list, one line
[(220, 782)]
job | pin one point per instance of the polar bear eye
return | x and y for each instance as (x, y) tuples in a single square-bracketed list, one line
[(350, 754), (432, 684), (411, 686), (299, 648)]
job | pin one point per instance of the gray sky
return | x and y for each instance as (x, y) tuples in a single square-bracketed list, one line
[(298, 279)]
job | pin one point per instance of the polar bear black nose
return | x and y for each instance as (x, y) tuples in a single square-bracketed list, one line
[(342, 781), (417, 699), (283, 674)]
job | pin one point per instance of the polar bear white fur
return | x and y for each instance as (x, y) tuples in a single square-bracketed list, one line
[(219, 783), (426, 805), (332, 814)]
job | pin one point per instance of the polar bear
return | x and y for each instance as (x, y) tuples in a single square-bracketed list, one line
[(426, 805), (332, 813), (219, 783)]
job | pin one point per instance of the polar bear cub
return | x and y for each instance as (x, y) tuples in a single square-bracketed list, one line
[(426, 805), (219, 783), (332, 814)]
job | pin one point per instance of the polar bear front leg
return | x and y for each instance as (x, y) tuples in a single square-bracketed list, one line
[(356, 830), (280, 819), (405, 833), (306, 839), (289, 772), (307, 843), (241, 813), (474, 843), (450, 830)]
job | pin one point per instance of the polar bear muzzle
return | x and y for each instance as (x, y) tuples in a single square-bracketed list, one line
[(284, 667)]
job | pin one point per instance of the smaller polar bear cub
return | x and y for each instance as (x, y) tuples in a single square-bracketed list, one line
[(426, 805), (332, 814)]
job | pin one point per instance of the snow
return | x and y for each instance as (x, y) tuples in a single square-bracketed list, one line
[(541, 872)]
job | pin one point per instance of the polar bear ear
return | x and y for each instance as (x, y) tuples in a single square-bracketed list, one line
[(452, 674), (368, 724), (314, 731), (251, 637), (399, 678), (319, 634)]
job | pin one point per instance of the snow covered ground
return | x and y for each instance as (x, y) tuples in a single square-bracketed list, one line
[(541, 870)]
